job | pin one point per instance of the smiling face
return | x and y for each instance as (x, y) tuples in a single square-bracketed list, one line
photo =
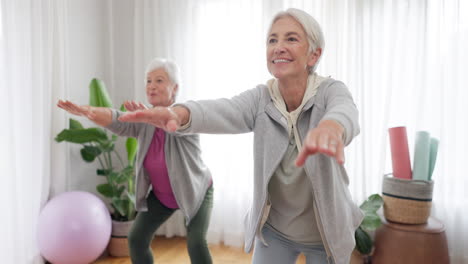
[(288, 53), (160, 90)]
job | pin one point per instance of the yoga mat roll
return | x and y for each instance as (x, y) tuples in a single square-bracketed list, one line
[(421, 156), (400, 153), (433, 155)]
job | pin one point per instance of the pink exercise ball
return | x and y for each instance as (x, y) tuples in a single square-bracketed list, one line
[(73, 228)]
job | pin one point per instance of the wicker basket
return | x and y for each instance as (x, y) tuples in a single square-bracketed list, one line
[(118, 247), (118, 244), (407, 201)]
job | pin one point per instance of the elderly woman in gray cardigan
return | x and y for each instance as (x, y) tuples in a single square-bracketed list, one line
[(301, 123), (170, 173)]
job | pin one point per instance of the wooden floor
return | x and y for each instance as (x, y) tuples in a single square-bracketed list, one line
[(174, 251)]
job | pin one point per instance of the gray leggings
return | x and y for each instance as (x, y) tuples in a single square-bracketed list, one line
[(281, 250), (146, 223)]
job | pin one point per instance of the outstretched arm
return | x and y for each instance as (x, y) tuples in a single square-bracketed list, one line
[(167, 118), (337, 128), (326, 138), (100, 115)]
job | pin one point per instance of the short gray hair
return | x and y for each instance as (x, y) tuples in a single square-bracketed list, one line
[(169, 66), (311, 28)]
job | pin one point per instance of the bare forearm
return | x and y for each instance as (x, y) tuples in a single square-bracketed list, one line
[(100, 115)]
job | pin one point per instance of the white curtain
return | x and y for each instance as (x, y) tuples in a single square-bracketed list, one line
[(402, 61), (31, 56)]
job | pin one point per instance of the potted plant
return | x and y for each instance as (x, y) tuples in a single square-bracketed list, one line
[(119, 186), (364, 243)]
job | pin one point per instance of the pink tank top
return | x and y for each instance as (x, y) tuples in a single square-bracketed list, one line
[(155, 165)]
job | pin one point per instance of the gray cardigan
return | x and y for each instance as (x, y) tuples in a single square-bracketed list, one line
[(188, 175), (253, 110)]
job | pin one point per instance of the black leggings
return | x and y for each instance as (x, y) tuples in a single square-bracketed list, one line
[(146, 223)]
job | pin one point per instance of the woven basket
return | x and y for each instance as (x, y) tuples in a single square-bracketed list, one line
[(118, 244), (118, 247), (407, 201)]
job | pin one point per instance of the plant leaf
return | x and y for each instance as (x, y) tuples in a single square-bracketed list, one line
[(113, 177), (120, 191), (131, 185), (131, 207), (371, 222), (105, 189), (81, 136), (106, 145), (131, 197), (122, 108), (98, 95), (116, 214), (89, 153), (121, 205), (102, 172), (363, 241), (74, 124), (132, 145), (372, 204), (121, 178)]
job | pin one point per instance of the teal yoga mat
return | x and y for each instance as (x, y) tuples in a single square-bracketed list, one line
[(434, 147), (421, 156)]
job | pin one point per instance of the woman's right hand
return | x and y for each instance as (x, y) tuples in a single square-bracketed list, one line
[(79, 110), (133, 106), (326, 138)]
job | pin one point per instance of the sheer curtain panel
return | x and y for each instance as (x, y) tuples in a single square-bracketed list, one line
[(31, 73)]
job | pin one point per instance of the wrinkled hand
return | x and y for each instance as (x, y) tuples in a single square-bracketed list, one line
[(162, 117), (78, 110), (133, 106), (325, 138)]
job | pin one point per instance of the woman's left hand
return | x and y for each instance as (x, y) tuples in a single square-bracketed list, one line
[(133, 106), (326, 138)]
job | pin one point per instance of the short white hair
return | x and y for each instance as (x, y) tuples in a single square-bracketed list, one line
[(169, 66), (311, 28)]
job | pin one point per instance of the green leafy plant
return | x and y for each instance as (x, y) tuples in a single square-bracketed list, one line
[(370, 223), (98, 145)]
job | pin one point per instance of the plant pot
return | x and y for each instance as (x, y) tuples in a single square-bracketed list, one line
[(358, 258), (118, 244)]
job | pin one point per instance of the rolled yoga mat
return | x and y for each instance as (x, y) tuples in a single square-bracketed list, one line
[(400, 153), (433, 155), (421, 156)]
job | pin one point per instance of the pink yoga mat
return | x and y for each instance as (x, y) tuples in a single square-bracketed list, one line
[(400, 153)]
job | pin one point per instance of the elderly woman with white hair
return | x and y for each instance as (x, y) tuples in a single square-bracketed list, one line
[(170, 173), (301, 123)]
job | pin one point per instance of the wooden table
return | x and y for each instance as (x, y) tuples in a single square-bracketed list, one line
[(401, 243)]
